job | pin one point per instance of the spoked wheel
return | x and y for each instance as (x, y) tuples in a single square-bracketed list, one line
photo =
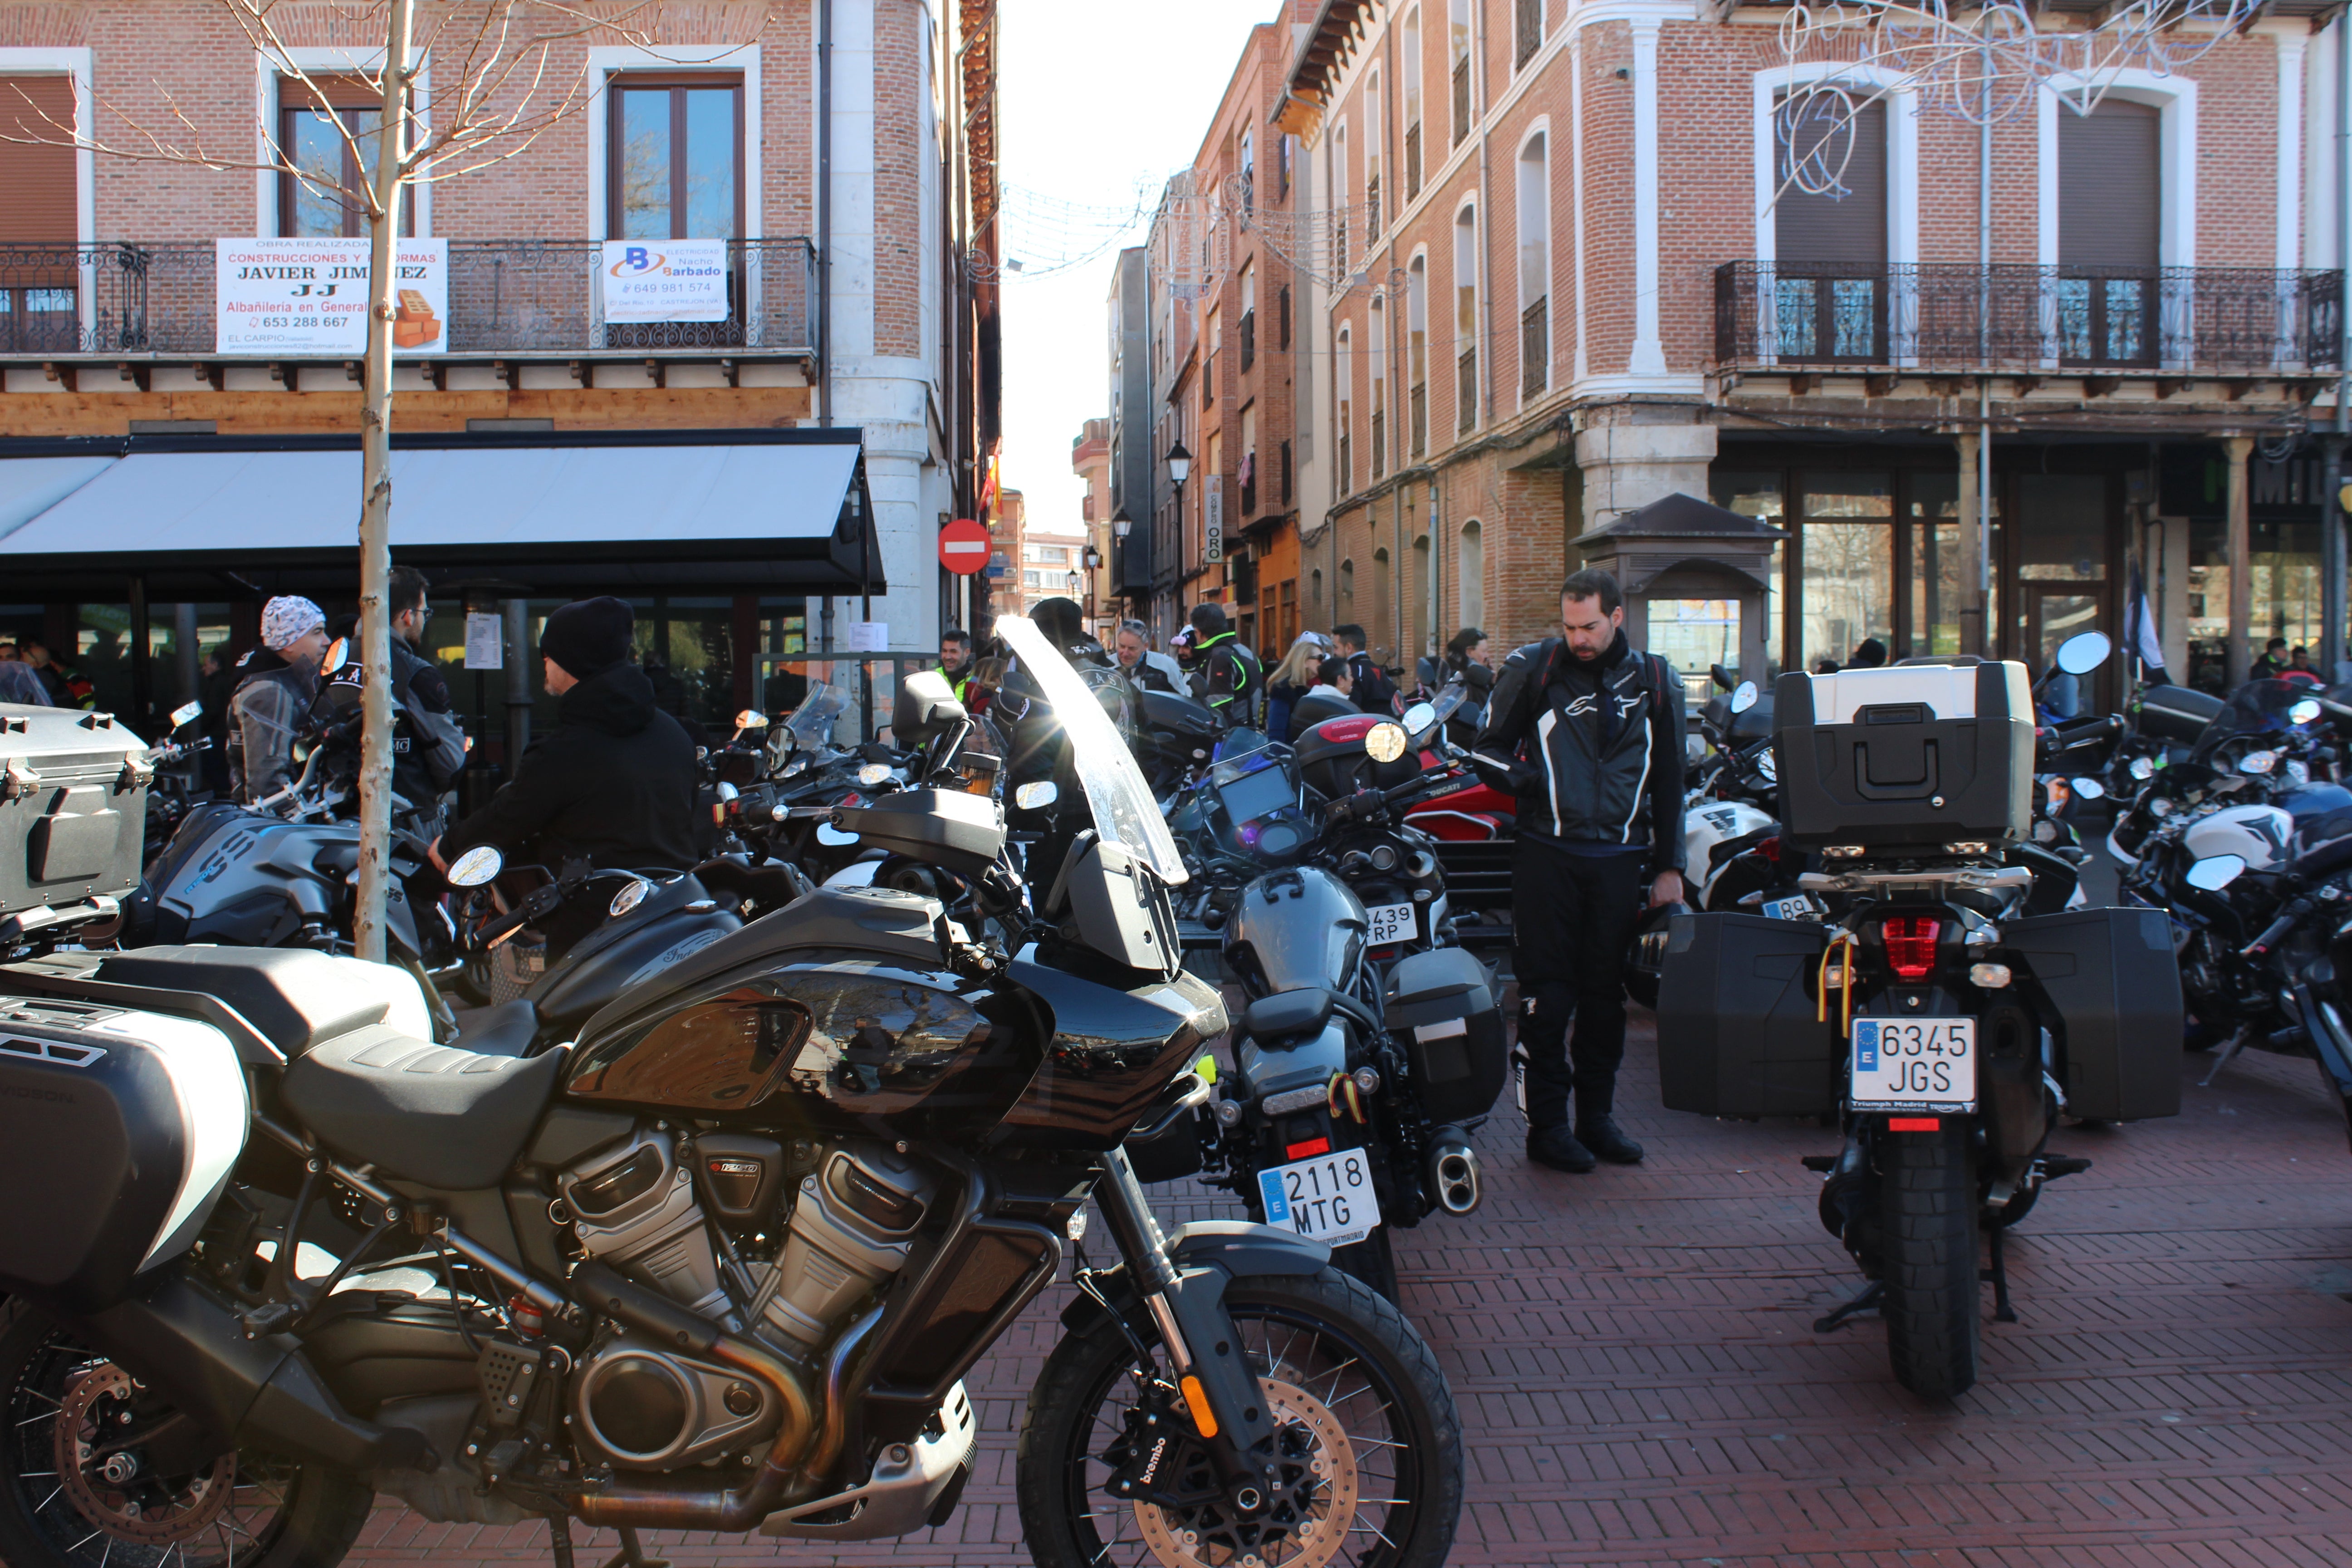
[(1927, 1237), (1368, 1447), (75, 1494)]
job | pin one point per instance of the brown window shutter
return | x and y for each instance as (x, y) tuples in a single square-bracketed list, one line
[(38, 182), (2110, 196), (329, 92), (1846, 227)]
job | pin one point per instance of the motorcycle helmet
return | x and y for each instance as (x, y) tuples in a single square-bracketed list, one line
[(1179, 648), (1065, 626), (1646, 959)]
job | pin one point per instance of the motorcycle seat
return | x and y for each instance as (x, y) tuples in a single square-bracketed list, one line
[(419, 1111), (296, 998), (505, 1030), (1289, 1014)]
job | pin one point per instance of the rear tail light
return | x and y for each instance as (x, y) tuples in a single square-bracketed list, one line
[(1911, 946), (1307, 1150), (1915, 1123), (1769, 848)]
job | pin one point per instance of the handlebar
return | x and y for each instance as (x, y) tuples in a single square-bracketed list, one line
[(1366, 803), (2289, 917)]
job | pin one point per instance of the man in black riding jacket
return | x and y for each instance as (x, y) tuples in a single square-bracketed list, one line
[(1230, 680), (613, 782), (1589, 735)]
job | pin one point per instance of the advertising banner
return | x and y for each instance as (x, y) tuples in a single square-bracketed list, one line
[(1213, 519), (665, 281), (279, 297)]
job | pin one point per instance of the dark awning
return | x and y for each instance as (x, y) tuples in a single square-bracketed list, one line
[(720, 511)]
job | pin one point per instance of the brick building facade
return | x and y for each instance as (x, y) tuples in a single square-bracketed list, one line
[(1547, 274), (843, 149)]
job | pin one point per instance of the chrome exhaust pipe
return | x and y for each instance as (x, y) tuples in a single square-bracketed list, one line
[(1453, 1172)]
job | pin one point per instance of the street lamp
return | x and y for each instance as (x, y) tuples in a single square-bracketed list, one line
[(1121, 522), (1180, 468)]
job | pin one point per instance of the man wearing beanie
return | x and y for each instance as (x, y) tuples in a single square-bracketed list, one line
[(613, 782), (276, 685)]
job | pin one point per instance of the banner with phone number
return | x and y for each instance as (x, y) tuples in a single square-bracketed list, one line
[(311, 297)]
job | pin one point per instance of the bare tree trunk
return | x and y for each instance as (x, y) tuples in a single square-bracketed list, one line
[(375, 485)]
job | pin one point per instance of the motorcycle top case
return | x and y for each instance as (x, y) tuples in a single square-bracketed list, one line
[(1441, 1008), (73, 807), (2112, 979), (1909, 756), (118, 1130), (1739, 1031)]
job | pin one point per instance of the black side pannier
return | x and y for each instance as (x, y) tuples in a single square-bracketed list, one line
[(1738, 1031), (2178, 715), (121, 1128), (1914, 756), (1442, 1009), (73, 809), (2113, 987)]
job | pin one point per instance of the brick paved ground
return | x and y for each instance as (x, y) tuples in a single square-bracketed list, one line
[(1639, 1382)]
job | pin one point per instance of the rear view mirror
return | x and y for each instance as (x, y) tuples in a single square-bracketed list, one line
[(186, 713), (1384, 742), (750, 719), (2087, 788), (2303, 713), (833, 837), (475, 866), (924, 706), (1036, 794), (1745, 698), (1418, 720), (2084, 652), (339, 654), (1720, 676), (2215, 873)]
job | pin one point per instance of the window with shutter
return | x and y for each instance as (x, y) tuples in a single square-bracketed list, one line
[(2110, 211), (1830, 287), (330, 128), (39, 308)]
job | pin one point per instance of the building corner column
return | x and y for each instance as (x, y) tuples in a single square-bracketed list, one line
[(1649, 357), (1971, 542)]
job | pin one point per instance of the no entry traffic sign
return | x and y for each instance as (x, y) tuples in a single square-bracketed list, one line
[(963, 546)]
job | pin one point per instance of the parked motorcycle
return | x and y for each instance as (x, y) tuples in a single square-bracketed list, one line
[(1371, 1047), (720, 1265), (1944, 1025)]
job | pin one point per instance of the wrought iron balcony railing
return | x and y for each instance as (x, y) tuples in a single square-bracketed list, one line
[(521, 297), (2185, 321)]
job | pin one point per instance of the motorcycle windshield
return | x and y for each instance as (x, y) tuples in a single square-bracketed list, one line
[(811, 724), (2260, 707), (1124, 812)]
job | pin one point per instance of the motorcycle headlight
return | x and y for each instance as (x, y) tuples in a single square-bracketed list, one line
[(1767, 767), (2258, 762), (2142, 768)]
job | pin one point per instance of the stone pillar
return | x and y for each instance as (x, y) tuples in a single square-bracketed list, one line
[(1633, 455), (2172, 613), (2241, 568), (1972, 546)]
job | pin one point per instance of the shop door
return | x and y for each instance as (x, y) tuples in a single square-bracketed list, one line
[(2057, 611)]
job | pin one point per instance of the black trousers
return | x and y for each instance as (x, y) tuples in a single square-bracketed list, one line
[(1573, 917)]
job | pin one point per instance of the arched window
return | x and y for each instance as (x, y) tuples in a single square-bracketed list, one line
[(1343, 422), (1422, 596), (1378, 329), (1416, 351), (1346, 605), (1473, 573), (1535, 268), (1466, 321), (1314, 590), (1384, 621)]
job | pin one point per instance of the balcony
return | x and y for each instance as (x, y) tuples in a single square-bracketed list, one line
[(1420, 428), (1249, 340), (1534, 349), (1412, 160), (1466, 392), (2176, 321), (509, 298)]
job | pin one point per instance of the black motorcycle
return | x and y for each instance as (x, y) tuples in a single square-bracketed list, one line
[(1371, 1047), (719, 1265)]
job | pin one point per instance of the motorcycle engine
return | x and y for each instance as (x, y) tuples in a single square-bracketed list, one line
[(643, 1406)]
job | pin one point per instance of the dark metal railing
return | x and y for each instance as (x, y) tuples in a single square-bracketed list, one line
[(1249, 338), (505, 296), (1412, 160), (2215, 320), (1420, 429), (1461, 99), (1528, 28), (1380, 443), (1466, 392)]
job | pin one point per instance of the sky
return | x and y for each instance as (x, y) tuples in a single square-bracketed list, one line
[(1100, 101)]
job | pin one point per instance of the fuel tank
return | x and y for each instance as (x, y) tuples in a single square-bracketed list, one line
[(1295, 929), (245, 878), (840, 1011), (674, 922)]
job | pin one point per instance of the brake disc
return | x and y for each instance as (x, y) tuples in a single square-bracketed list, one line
[(116, 1494), (1309, 1511)]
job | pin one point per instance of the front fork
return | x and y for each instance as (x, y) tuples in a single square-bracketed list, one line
[(1220, 1392)]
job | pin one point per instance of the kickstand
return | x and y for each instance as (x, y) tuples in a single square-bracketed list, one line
[(559, 1538), (1865, 1302), (1998, 1274), (2237, 1043), (633, 1555)]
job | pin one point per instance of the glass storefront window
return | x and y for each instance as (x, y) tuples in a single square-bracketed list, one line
[(101, 655), (1848, 555), (779, 669), (2063, 527), (1758, 494), (687, 649), (1693, 634), (188, 656)]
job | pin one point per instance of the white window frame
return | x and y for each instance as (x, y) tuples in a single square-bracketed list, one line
[(1902, 192), (2174, 97), (74, 63), (1539, 127), (324, 60), (607, 61)]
